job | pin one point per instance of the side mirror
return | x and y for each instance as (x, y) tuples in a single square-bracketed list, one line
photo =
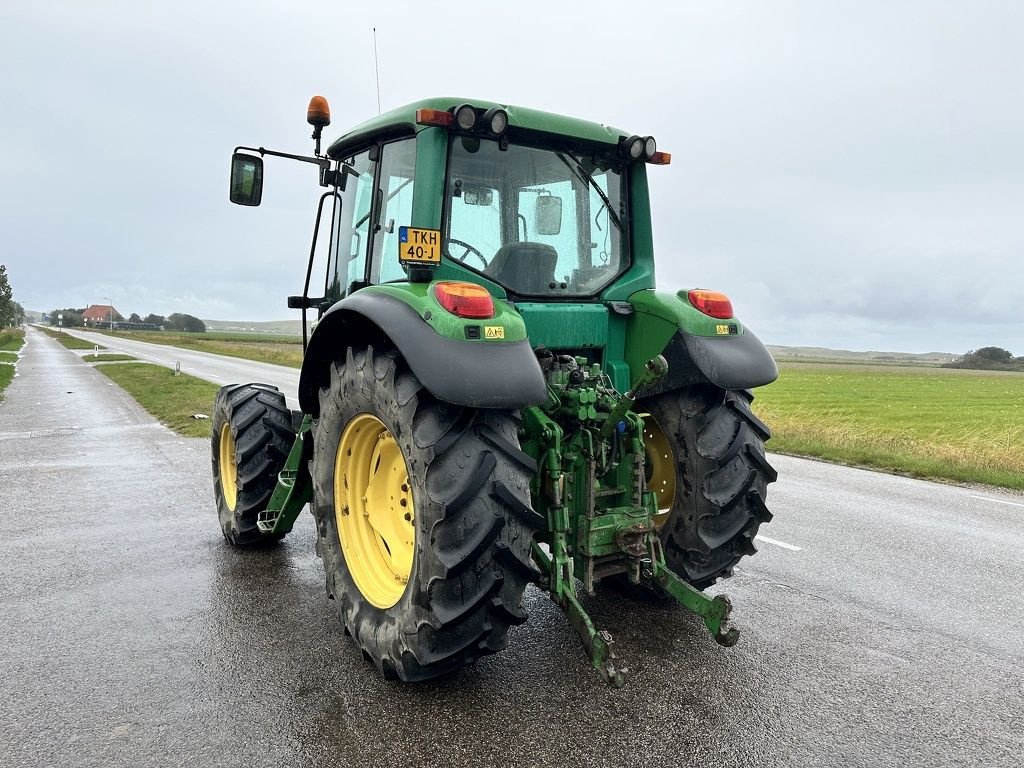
[(246, 179), (548, 219)]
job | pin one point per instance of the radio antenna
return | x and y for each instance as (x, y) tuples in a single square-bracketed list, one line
[(376, 67)]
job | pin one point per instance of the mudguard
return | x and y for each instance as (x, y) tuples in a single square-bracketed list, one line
[(469, 373), (698, 348)]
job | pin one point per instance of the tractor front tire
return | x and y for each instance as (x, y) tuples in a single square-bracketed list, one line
[(251, 436), (705, 451), (424, 518)]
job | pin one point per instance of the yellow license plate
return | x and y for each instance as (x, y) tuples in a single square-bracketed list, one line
[(419, 246)]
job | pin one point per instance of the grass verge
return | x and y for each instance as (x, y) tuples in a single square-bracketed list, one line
[(11, 339), (106, 358), (264, 348), (6, 375), (965, 426), (71, 342), (171, 399)]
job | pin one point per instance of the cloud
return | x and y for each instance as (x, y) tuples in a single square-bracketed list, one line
[(851, 173)]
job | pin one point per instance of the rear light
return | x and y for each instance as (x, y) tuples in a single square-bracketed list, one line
[(495, 120), (660, 158), (633, 147), (434, 117), (465, 117), (465, 299), (711, 303)]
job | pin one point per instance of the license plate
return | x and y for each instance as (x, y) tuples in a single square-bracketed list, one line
[(419, 246)]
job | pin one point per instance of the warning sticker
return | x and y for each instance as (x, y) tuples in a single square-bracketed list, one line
[(494, 332), (419, 246), (722, 330)]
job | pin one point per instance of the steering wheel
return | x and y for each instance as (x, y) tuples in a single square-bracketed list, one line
[(470, 250)]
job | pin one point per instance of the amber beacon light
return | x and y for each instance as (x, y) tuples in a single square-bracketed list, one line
[(318, 113)]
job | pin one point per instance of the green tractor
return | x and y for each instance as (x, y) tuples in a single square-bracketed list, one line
[(494, 394)]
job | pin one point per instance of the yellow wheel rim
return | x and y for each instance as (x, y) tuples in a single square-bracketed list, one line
[(661, 467), (374, 511), (227, 468)]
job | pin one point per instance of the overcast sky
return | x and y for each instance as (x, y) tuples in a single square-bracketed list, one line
[(850, 173)]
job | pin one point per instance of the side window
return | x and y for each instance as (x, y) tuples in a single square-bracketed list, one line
[(353, 228), (397, 180)]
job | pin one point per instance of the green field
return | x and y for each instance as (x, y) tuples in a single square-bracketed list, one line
[(263, 347), (960, 425), (171, 399), (965, 426)]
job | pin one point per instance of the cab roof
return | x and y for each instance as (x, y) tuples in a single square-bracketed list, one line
[(402, 121)]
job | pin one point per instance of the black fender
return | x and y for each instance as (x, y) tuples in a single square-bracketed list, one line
[(728, 362), (475, 374)]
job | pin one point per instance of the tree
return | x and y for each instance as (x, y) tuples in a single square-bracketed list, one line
[(998, 354), (157, 320), (72, 318), (7, 313), (19, 314), (180, 322), (988, 359), (134, 318)]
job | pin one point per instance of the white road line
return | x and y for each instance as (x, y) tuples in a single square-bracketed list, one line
[(782, 544), (997, 501)]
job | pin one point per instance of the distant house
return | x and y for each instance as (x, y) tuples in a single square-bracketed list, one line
[(100, 313)]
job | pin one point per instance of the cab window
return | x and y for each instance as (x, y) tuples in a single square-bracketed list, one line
[(395, 191), (353, 226)]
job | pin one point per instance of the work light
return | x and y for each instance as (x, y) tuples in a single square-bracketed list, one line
[(496, 120), (465, 117)]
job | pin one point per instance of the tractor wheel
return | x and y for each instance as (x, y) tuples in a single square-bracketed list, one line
[(424, 518), (707, 467), (252, 435)]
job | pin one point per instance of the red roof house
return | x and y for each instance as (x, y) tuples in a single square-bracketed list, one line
[(100, 313)]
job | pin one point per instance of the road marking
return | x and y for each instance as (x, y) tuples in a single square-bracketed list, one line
[(782, 544), (997, 501)]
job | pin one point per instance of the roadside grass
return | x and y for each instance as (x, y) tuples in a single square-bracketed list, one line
[(171, 399), (6, 376), (71, 342), (264, 348), (110, 357), (965, 426), (11, 339)]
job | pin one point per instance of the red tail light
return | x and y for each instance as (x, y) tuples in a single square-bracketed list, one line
[(711, 303), (465, 299)]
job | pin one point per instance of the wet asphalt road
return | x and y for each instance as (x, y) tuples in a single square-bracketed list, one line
[(132, 635)]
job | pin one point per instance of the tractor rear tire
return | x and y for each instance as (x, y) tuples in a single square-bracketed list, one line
[(430, 502), (715, 445), (252, 434)]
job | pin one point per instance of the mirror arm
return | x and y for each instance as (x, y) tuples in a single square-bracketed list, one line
[(324, 163)]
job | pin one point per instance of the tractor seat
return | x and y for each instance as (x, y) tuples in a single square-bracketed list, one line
[(524, 267)]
